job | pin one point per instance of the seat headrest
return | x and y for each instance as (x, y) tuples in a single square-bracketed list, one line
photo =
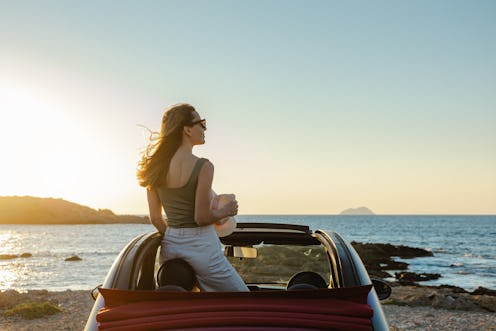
[(307, 278), (176, 272)]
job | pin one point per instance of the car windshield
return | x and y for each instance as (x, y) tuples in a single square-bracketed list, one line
[(275, 264)]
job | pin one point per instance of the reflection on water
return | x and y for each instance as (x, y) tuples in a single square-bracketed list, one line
[(7, 277), (7, 242), (50, 245)]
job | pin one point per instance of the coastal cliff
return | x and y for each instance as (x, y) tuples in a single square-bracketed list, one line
[(33, 210)]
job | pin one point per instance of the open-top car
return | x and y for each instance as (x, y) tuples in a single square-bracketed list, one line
[(299, 279)]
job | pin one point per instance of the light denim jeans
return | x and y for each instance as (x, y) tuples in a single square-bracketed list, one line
[(201, 248)]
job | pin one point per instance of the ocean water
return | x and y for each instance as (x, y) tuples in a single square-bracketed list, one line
[(463, 246)]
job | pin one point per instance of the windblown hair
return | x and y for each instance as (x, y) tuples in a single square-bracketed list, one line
[(155, 161)]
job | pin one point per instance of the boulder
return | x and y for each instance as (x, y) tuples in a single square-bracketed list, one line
[(412, 277), (73, 258), (483, 291), (487, 302)]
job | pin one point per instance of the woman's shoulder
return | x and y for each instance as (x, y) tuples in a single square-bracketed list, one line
[(194, 161), (204, 165), (202, 162)]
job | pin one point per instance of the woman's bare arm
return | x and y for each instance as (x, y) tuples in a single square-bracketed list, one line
[(155, 209), (204, 214)]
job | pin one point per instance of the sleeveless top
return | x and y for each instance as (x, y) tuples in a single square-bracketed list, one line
[(179, 203)]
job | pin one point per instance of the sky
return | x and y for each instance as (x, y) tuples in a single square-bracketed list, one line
[(312, 107)]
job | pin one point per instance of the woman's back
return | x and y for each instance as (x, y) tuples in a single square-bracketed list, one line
[(180, 170), (178, 196)]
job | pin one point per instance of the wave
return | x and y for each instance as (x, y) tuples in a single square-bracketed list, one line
[(473, 256)]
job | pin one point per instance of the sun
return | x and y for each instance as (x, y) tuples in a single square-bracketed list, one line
[(47, 148)]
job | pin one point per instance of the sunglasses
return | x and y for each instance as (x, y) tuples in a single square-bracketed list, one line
[(202, 122)]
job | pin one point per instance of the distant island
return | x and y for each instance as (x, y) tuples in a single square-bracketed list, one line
[(357, 211), (33, 210)]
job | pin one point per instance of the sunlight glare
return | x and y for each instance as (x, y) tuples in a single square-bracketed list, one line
[(6, 275), (47, 149)]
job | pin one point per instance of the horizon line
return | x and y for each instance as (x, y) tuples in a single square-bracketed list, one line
[(279, 214)]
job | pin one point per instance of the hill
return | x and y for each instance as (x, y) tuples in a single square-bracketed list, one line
[(33, 210), (357, 211)]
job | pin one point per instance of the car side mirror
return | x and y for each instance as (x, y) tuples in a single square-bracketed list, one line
[(241, 252), (95, 292), (382, 289)]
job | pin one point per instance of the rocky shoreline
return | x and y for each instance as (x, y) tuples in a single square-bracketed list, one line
[(411, 306), (379, 261)]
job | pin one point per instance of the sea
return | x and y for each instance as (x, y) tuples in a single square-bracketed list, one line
[(463, 247)]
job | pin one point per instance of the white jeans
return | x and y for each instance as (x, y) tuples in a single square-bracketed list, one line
[(201, 248)]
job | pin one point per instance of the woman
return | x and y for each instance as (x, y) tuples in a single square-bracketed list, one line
[(181, 183)]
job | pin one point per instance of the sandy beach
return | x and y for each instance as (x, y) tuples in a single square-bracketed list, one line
[(409, 308)]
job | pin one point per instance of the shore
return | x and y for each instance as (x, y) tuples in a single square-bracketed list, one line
[(408, 308), (438, 309)]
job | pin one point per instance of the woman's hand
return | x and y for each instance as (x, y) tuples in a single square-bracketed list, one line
[(230, 208), (208, 207), (226, 204)]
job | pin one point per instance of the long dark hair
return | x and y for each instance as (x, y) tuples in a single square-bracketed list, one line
[(155, 161)]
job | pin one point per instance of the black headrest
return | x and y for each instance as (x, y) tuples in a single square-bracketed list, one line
[(176, 272), (308, 278), (302, 286)]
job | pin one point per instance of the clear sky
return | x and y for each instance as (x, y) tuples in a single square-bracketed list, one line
[(312, 106)]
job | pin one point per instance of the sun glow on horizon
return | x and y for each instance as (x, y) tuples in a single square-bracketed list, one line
[(49, 151)]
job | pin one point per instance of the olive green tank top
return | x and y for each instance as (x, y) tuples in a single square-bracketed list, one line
[(179, 203)]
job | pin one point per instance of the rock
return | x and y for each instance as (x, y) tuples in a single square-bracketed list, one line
[(381, 251), (8, 256), (483, 291), (73, 258), (411, 277), (378, 274), (487, 302), (394, 265), (441, 298), (10, 298), (453, 301), (26, 255), (377, 258), (454, 289)]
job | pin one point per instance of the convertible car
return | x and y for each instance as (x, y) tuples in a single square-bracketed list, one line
[(299, 279)]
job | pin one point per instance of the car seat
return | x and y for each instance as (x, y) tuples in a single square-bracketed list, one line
[(306, 280)]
